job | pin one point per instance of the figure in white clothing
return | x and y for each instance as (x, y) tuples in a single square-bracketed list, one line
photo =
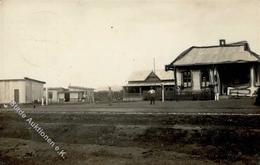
[(152, 93)]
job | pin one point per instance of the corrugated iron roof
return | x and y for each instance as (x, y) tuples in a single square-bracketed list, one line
[(163, 75), (238, 52), (139, 75), (142, 75)]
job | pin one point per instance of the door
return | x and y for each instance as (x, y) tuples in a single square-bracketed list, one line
[(67, 97), (16, 95)]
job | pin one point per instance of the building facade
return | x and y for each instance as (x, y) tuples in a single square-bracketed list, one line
[(22, 91), (141, 82), (225, 70), (71, 94), (81, 94), (56, 94)]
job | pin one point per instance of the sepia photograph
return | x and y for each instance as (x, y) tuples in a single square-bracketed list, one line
[(129, 82)]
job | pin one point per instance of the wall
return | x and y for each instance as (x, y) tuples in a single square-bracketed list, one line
[(7, 91), (34, 91), (54, 98), (74, 97), (195, 75), (61, 97), (195, 80), (88, 94), (178, 77)]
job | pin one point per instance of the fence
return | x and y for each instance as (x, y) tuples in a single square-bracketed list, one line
[(205, 94)]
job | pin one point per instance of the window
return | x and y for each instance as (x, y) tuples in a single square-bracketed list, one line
[(204, 78), (186, 79)]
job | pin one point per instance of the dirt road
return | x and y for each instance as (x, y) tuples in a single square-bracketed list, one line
[(127, 133)]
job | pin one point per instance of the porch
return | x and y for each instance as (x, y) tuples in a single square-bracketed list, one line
[(237, 79), (138, 92)]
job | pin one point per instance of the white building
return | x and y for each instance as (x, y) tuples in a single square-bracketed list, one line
[(23, 91), (56, 94), (72, 94), (226, 69)]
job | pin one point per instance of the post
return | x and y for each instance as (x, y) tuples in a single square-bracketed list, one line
[(216, 84), (212, 83), (47, 96), (252, 76), (175, 83), (42, 101), (162, 93), (252, 80)]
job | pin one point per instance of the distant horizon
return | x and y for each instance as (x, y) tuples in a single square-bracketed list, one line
[(100, 43)]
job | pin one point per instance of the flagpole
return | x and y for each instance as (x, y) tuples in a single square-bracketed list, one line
[(154, 64)]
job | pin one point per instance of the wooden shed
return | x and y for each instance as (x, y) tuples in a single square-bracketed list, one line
[(23, 91)]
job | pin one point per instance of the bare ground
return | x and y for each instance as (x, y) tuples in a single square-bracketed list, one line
[(202, 132)]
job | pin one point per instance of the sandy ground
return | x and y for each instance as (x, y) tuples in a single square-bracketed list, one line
[(135, 133)]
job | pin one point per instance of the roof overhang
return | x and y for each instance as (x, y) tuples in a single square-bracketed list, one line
[(25, 78), (30, 79), (252, 56), (169, 67), (221, 63)]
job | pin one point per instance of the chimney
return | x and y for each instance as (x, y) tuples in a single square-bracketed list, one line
[(222, 42)]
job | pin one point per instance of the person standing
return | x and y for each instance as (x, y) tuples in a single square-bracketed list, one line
[(110, 99), (152, 93)]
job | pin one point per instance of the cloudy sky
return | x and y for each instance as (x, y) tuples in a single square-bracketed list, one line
[(101, 42)]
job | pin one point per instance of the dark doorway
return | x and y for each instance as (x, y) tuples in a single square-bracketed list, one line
[(67, 96), (16, 95)]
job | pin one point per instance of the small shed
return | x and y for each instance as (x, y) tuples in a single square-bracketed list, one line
[(22, 91)]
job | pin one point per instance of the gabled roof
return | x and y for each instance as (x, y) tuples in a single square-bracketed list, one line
[(139, 75), (142, 75), (238, 52), (163, 75)]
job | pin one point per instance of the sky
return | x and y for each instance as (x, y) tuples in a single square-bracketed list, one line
[(99, 43)]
